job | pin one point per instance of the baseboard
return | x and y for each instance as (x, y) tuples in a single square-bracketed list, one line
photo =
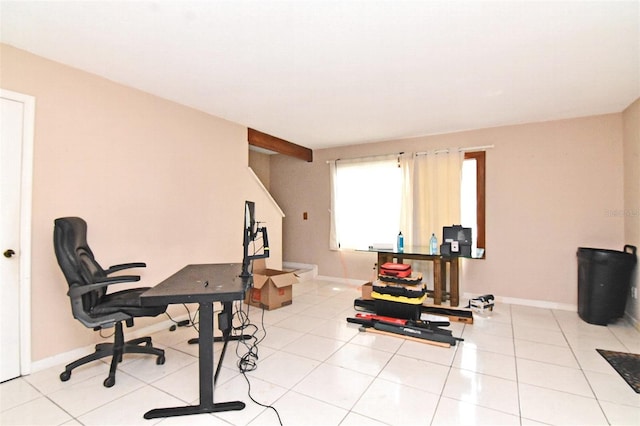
[(528, 302), (349, 281), (70, 356), (631, 320), (303, 271)]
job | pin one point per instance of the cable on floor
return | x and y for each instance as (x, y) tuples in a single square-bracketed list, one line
[(248, 360), (191, 322)]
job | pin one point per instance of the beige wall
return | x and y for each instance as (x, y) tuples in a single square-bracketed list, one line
[(156, 182), (550, 187), (259, 163), (632, 193)]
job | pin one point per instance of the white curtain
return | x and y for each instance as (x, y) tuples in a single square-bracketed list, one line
[(434, 194), (406, 210)]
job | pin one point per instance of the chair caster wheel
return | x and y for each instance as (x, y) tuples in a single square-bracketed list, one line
[(109, 381), (65, 375), (160, 360)]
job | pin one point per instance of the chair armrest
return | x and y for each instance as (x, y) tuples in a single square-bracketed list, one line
[(120, 267), (79, 290)]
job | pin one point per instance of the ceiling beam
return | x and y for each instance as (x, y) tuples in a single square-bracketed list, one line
[(263, 140)]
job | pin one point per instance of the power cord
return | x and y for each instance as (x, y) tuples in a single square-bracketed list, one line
[(191, 322), (248, 361)]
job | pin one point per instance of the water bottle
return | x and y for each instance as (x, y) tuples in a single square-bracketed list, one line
[(433, 244), (400, 242)]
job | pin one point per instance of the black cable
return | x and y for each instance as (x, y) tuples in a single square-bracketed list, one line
[(192, 320), (248, 361)]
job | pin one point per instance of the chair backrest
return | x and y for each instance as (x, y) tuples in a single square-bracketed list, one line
[(76, 258)]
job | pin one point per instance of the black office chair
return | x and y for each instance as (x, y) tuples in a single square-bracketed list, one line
[(90, 303)]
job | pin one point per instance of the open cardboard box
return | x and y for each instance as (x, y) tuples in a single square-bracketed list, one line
[(366, 291), (272, 289)]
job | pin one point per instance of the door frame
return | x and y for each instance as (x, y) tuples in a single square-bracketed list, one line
[(26, 181)]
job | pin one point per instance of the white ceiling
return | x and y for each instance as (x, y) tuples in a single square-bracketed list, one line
[(328, 73)]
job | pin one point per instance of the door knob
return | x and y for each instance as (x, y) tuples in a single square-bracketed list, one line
[(9, 253)]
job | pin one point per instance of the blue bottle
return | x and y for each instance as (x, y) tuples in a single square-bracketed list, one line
[(400, 242), (433, 244)]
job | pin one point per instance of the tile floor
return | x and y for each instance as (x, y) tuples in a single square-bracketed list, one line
[(521, 366)]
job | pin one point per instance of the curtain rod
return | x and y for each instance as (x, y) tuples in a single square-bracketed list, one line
[(463, 149), (366, 157), (437, 151)]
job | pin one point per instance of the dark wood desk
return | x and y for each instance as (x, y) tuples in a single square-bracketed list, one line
[(440, 292), (202, 284)]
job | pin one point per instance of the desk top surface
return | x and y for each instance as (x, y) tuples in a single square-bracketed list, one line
[(198, 284), (422, 251)]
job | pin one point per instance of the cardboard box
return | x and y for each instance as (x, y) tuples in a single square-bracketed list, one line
[(272, 289), (366, 291)]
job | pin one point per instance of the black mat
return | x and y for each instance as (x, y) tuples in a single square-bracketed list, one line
[(627, 365)]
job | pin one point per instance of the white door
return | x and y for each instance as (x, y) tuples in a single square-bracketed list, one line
[(16, 133)]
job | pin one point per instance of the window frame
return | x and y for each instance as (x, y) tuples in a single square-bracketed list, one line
[(480, 157)]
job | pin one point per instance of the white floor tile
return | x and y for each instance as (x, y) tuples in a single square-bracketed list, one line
[(47, 381), (130, 408), (183, 384), (559, 408), (297, 409), (550, 354), (453, 412), (146, 369), (540, 335), (322, 382), (355, 419), (612, 389), (39, 411), (301, 323), (360, 358), (485, 391), (278, 337), (238, 389), (591, 360), (588, 342), (314, 347), (415, 373), (489, 363), (428, 352), (82, 397), (621, 414), (375, 341), (555, 377), (544, 321), (396, 404), (16, 392), (486, 342), (491, 326), (284, 369), (337, 329)]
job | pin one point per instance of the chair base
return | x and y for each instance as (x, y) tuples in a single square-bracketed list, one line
[(115, 350)]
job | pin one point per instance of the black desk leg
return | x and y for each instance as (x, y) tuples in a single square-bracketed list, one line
[(206, 375)]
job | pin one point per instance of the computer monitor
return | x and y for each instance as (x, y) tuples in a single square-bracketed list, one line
[(251, 232)]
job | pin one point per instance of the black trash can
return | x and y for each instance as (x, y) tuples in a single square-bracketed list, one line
[(604, 277)]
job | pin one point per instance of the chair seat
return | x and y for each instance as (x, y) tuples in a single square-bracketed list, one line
[(127, 301)]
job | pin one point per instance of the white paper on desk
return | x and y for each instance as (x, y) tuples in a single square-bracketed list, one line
[(431, 317)]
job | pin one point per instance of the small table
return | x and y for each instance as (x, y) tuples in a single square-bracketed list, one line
[(203, 284), (439, 270)]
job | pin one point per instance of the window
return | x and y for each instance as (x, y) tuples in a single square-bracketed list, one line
[(367, 201), (473, 196)]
